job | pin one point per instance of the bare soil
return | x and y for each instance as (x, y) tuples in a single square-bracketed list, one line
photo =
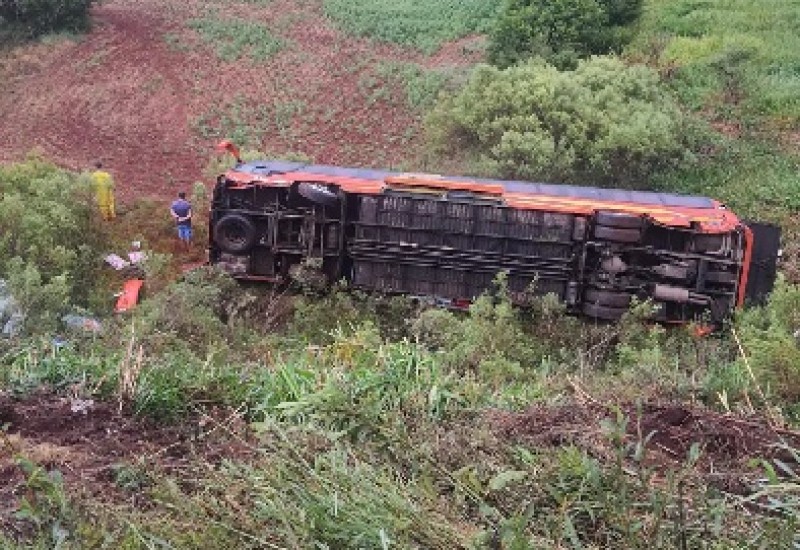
[(727, 442), (89, 442), (142, 89)]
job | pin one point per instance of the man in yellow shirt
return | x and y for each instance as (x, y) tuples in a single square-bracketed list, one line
[(104, 191)]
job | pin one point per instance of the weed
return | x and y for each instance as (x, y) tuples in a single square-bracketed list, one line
[(234, 38), (711, 47), (423, 24)]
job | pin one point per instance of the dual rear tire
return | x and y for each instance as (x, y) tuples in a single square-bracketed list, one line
[(607, 305), (618, 227)]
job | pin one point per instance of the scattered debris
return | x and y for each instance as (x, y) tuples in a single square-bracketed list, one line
[(117, 262), (11, 316), (82, 323), (130, 295)]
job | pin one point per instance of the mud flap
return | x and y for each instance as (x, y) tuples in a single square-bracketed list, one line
[(764, 262)]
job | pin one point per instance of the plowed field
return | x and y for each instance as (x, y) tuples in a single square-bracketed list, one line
[(150, 90)]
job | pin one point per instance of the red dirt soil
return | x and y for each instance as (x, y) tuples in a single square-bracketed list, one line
[(88, 441), (726, 441), (136, 91)]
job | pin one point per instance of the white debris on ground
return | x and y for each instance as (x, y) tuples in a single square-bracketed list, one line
[(11, 316)]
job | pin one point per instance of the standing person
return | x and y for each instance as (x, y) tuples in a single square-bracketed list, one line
[(104, 192), (181, 211)]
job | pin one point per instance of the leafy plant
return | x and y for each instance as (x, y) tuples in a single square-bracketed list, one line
[(561, 31), (604, 122), (37, 17), (50, 240)]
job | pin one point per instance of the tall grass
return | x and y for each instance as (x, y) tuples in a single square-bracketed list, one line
[(741, 53)]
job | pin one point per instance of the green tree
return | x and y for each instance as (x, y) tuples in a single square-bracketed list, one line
[(561, 31), (604, 122), (36, 17), (49, 240)]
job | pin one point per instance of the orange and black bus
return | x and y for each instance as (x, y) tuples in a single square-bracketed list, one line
[(446, 238)]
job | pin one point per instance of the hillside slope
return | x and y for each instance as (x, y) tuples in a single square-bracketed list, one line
[(156, 83)]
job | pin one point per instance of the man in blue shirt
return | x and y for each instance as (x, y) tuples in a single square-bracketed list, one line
[(181, 211)]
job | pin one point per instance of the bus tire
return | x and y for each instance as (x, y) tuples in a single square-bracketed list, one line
[(234, 233), (607, 298), (606, 313), (617, 235), (618, 219)]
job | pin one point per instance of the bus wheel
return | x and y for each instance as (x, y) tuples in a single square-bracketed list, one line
[(620, 220), (235, 233), (607, 298), (606, 313), (616, 235)]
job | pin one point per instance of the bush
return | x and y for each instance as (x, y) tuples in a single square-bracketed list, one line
[(603, 122), (37, 17), (769, 337), (194, 312), (561, 31), (49, 240)]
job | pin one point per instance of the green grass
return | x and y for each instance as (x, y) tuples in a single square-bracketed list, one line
[(737, 51), (370, 430), (236, 38), (247, 124), (424, 24), (422, 86), (755, 180)]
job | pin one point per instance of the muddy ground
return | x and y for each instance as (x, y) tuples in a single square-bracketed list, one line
[(90, 442), (730, 446), (97, 448)]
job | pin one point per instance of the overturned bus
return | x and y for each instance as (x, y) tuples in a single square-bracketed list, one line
[(446, 238)]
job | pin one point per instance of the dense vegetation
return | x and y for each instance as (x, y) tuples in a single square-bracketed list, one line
[(36, 17), (561, 31), (604, 122), (372, 422), (49, 240)]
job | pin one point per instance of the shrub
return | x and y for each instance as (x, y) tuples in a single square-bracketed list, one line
[(604, 121), (195, 311), (770, 342), (37, 17), (561, 31), (49, 238)]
